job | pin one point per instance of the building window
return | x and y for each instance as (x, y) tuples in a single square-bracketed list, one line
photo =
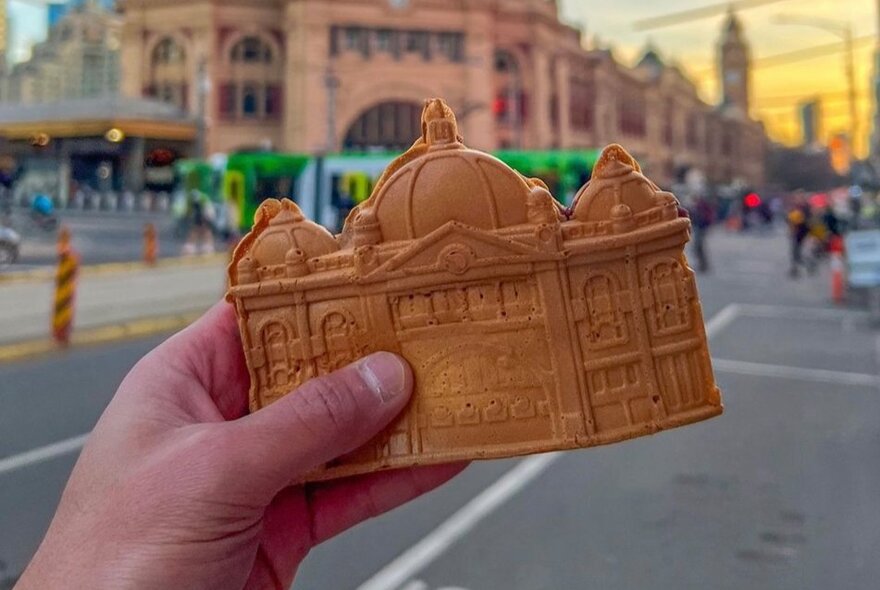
[(632, 114), (451, 46), (693, 132), (170, 92), (669, 124), (357, 39), (583, 105), (168, 51), (252, 49), (228, 101), (273, 101), (505, 63), (386, 126), (383, 40), (249, 101), (352, 38), (419, 42)]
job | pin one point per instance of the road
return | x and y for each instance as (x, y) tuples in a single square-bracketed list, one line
[(98, 236), (782, 492)]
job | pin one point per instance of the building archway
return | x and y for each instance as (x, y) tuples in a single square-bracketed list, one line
[(169, 71), (387, 126)]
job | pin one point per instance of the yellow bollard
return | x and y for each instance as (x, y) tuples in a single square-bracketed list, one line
[(65, 290), (63, 240), (151, 244)]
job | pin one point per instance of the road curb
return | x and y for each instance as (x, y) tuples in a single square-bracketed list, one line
[(110, 268), (100, 335)]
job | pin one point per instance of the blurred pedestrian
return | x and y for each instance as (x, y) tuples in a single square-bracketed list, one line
[(7, 188), (702, 214), (178, 487), (200, 214), (799, 229)]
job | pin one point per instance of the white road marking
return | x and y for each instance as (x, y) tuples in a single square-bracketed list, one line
[(435, 544), (722, 320), (47, 453), (800, 313), (414, 559), (877, 352), (817, 375)]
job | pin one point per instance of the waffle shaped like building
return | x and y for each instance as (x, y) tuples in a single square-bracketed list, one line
[(529, 327)]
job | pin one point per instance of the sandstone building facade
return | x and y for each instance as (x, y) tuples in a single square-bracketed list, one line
[(79, 59), (323, 75)]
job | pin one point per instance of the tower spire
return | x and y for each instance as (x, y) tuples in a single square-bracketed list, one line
[(735, 65)]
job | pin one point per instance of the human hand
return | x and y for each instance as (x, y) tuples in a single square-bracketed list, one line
[(178, 488)]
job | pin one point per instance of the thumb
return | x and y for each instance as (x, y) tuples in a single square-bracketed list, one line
[(323, 419)]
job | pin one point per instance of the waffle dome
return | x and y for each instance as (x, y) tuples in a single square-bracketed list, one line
[(440, 180), (618, 189), (281, 232)]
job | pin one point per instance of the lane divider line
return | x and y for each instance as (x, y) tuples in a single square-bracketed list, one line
[(457, 526), (722, 320), (47, 274), (798, 373), (100, 335), (800, 313), (47, 453)]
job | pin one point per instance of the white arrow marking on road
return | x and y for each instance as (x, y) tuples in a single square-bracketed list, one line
[(53, 451), (420, 555)]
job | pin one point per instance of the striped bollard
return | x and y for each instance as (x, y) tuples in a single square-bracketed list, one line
[(65, 290), (151, 244)]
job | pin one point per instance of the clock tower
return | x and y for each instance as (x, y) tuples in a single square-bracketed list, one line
[(735, 63)]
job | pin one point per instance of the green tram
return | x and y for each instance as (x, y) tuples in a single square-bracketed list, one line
[(328, 187)]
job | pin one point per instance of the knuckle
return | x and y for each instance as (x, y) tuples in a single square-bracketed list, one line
[(329, 403)]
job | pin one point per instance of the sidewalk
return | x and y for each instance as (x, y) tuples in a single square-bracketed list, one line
[(108, 299)]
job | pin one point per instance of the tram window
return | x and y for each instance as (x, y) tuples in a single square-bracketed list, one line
[(278, 187)]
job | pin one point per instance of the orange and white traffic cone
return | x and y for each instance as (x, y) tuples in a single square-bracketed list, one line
[(838, 279), (151, 244)]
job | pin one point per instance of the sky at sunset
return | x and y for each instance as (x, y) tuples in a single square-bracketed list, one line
[(777, 90)]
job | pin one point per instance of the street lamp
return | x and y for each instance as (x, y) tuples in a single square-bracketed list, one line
[(332, 84), (843, 30), (203, 87)]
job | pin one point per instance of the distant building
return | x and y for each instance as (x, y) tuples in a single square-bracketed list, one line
[(4, 38), (346, 74), (79, 59), (875, 137), (57, 11), (70, 141), (811, 122)]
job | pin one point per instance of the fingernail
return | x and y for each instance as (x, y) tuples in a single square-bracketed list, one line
[(385, 374)]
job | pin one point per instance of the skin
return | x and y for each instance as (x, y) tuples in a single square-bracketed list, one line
[(178, 487)]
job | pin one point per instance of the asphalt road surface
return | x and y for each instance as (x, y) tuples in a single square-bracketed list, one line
[(98, 237), (782, 492)]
